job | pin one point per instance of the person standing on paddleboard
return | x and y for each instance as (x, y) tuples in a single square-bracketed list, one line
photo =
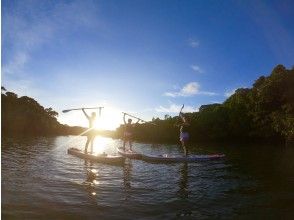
[(184, 133), (91, 133), (128, 132)]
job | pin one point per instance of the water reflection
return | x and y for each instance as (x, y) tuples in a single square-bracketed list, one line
[(127, 170), (90, 181), (100, 145), (40, 180), (183, 182), (183, 193)]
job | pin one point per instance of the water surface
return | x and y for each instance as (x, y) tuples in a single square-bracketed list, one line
[(40, 180)]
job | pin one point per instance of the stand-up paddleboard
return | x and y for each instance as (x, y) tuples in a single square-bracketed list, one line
[(100, 158), (129, 154), (165, 158)]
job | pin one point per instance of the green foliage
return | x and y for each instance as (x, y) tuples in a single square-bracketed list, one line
[(25, 116), (239, 122), (265, 111), (273, 100)]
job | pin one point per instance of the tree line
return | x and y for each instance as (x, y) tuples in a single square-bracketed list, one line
[(264, 112), (24, 116)]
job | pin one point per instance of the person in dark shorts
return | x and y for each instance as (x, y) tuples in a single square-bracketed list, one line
[(184, 133), (128, 132)]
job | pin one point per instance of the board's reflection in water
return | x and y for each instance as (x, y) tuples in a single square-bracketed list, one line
[(185, 208), (90, 182), (127, 169)]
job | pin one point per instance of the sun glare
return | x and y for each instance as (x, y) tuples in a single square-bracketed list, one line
[(100, 144), (109, 120)]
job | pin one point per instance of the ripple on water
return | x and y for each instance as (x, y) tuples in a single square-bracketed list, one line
[(39, 179)]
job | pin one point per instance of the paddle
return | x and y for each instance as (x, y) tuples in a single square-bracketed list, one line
[(139, 118), (181, 110), (179, 115), (73, 109)]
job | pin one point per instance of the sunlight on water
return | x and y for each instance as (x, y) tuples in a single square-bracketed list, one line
[(100, 144), (41, 180), (94, 171), (96, 182)]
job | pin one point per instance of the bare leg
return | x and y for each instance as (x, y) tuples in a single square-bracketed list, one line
[(92, 143), (87, 143), (184, 148), (130, 143), (185, 151), (124, 145)]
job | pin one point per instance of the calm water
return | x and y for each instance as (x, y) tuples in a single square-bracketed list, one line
[(41, 181)]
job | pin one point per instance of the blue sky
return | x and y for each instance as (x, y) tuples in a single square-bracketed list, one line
[(143, 57)]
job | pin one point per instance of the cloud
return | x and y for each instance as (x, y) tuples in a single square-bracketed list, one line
[(207, 93), (190, 89), (27, 28), (196, 68), (174, 108), (16, 64), (230, 92), (193, 43), (21, 37), (23, 87)]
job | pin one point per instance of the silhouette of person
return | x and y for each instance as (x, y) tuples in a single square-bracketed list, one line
[(128, 132), (184, 133), (91, 133)]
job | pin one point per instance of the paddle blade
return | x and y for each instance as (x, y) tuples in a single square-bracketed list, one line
[(65, 111)]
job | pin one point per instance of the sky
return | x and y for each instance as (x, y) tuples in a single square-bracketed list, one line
[(146, 58)]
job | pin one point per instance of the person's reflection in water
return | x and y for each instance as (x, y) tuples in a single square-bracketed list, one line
[(183, 183), (183, 193), (91, 181), (154, 145), (127, 178)]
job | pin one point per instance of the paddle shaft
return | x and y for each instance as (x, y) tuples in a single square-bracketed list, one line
[(180, 114), (138, 118), (73, 109), (181, 110)]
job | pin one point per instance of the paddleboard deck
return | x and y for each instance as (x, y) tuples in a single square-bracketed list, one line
[(100, 158), (129, 154), (165, 158)]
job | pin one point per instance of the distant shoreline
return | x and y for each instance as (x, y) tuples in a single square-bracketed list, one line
[(263, 113)]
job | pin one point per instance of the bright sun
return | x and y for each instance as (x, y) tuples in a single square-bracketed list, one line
[(109, 120)]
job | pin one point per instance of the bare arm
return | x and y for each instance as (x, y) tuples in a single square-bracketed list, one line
[(87, 116), (133, 125), (181, 115), (185, 122), (125, 118)]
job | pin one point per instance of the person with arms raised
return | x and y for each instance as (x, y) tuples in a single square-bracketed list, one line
[(128, 132), (90, 133), (184, 132)]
